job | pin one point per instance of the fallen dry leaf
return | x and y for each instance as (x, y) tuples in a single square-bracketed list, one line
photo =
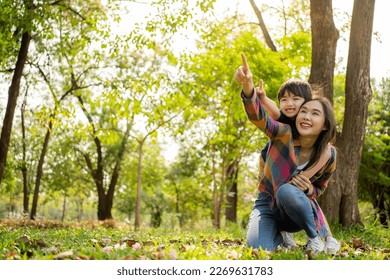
[(173, 254), (159, 255), (64, 255), (52, 250), (137, 247), (233, 254), (187, 248), (25, 240), (128, 241), (106, 241), (148, 243), (40, 243), (11, 254), (107, 249), (357, 243), (120, 246)]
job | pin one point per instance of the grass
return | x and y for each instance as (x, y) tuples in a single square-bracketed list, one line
[(51, 240)]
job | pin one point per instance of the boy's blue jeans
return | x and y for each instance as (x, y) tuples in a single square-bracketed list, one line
[(292, 212)]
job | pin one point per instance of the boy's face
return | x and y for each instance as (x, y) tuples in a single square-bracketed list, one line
[(290, 104)]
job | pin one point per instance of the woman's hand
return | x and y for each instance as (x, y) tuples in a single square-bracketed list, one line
[(302, 182), (243, 75)]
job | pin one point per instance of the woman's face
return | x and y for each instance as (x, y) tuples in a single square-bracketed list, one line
[(311, 119)]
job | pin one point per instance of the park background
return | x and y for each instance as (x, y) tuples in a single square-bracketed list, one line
[(127, 111)]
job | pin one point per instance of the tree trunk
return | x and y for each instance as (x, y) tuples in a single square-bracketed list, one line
[(13, 94), (64, 208), (216, 204), (177, 206), (139, 188), (231, 197), (116, 171), (263, 27), (324, 41), (79, 208), (26, 189), (358, 95), (40, 171), (104, 209)]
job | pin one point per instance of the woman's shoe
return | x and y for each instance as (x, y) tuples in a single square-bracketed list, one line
[(332, 246)]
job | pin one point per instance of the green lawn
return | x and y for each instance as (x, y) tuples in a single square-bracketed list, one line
[(47, 240)]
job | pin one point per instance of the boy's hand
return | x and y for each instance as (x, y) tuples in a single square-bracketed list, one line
[(243, 75), (260, 91)]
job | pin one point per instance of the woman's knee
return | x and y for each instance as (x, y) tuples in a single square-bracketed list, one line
[(252, 242), (285, 192), (289, 195)]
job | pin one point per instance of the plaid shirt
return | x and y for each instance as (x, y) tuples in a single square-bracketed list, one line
[(283, 152)]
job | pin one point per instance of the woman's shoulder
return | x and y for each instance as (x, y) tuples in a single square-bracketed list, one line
[(332, 150)]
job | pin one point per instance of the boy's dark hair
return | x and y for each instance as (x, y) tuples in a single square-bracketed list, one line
[(297, 87)]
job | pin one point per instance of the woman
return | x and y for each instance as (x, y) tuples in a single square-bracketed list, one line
[(285, 202)]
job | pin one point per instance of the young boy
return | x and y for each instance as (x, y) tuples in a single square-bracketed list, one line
[(291, 96)]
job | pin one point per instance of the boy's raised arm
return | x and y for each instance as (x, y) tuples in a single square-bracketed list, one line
[(268, 104)]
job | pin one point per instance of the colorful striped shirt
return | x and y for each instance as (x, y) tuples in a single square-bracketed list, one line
[(283, 152)]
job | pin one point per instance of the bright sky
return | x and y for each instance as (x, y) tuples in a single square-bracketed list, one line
[(380, 54)]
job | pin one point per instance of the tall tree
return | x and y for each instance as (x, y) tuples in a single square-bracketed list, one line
[(24, 169), (69, 24), (324, 42), (263, 26), (358, 95), (104, 163), (23, 27)]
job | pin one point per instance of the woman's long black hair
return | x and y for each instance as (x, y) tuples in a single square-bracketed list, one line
[(328, 135)]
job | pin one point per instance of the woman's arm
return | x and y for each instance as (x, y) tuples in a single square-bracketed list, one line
[(243, 75), (324, 158), (257, 115), (253, 107)]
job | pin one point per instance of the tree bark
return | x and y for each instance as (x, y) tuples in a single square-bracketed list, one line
[(139, 188), (26, 189), (216, 205), (232, 191), (13, 94), (64, 208), (115, 172), (358, 95), (324, 42), (177, 205), (45, 146), (40, 170)]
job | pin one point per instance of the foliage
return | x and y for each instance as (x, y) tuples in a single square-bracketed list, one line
[(374, 176)]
